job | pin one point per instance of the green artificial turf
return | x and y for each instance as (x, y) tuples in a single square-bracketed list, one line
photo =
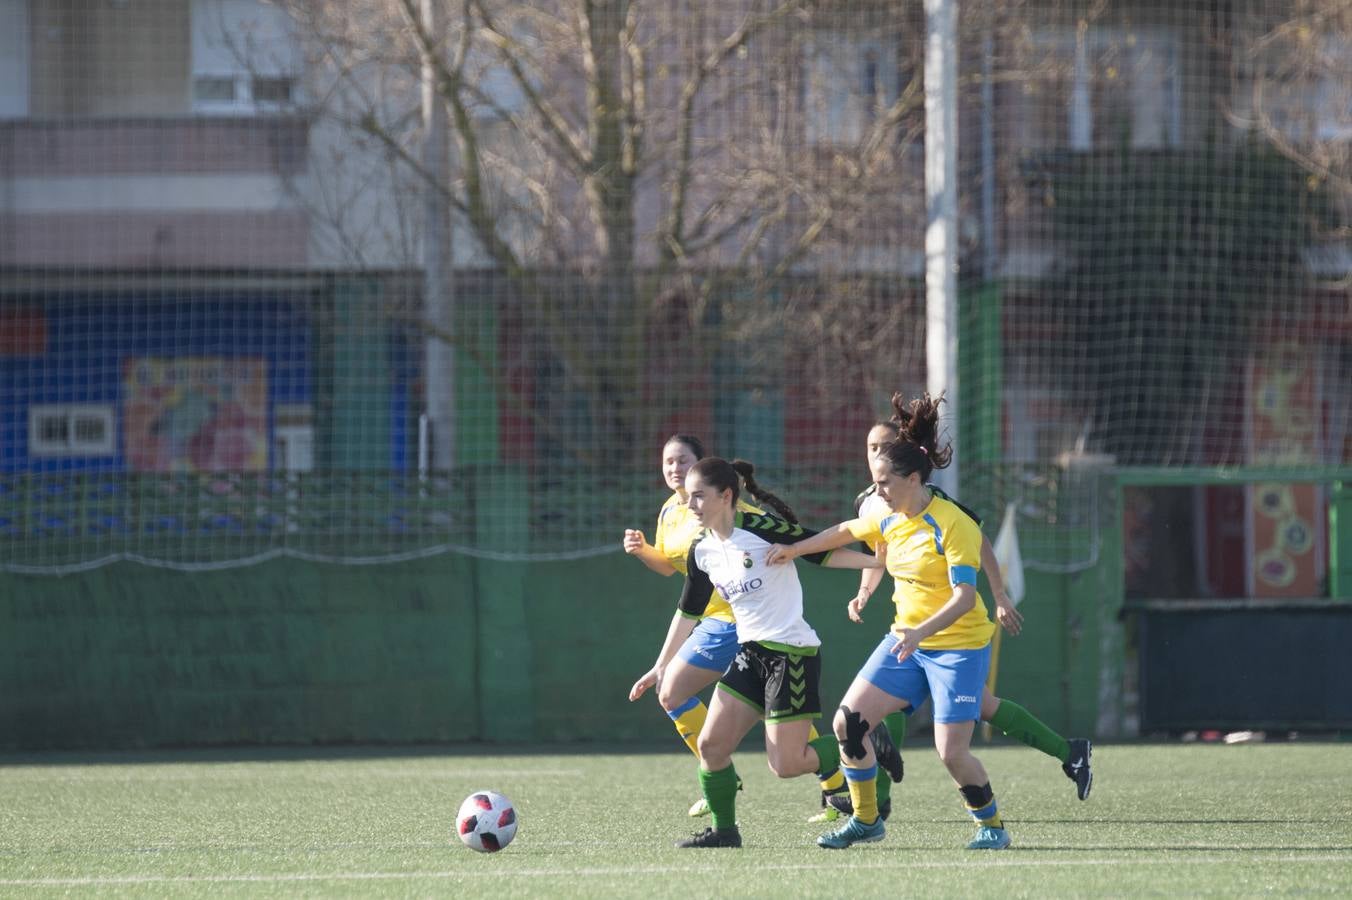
[(1164, 820)]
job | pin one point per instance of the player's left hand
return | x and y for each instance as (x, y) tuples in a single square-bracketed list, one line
[(649, 679), (1010, 619), (908, 641), (855, 608), (778, 553)]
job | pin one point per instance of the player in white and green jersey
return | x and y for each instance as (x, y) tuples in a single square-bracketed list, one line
[(708, 650), (774, 676)]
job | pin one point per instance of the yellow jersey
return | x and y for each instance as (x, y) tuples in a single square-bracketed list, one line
[(927, 556), (677, 529)]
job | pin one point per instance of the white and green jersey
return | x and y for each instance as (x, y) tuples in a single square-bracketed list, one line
[(767, 601)]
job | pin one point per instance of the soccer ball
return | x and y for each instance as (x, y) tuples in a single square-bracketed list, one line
[(486, 821)]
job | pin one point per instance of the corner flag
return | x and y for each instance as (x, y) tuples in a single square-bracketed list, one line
[(1008, 556), (1011, 570)]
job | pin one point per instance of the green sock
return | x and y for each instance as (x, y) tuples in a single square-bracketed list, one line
[(884, 788), (720, 791), (828, 755), (1023, 726), (896, 723)]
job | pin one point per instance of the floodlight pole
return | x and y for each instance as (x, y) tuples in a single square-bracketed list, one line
[(437, 425), (941, 230)]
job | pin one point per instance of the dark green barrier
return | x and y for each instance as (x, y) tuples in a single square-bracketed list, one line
[(442, 649)]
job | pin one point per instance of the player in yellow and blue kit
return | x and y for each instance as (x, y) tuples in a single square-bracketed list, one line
[(1012, 719), (691, 665), (939, 644)]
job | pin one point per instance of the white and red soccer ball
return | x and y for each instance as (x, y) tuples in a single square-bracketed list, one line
[(486, 821)]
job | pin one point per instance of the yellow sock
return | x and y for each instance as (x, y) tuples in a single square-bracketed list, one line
[(689, 721), (863, 792)]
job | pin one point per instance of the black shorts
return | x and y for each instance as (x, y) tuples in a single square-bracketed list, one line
[(781, 684)]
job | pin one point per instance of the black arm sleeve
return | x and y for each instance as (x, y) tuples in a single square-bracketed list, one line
[(774, 530), (698, 589)]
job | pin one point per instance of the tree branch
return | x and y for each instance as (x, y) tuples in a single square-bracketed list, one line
[(574, 149)]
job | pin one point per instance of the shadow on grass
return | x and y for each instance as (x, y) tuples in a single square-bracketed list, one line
[(307, 752)]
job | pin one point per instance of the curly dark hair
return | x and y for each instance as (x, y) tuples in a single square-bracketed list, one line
[(917, 447)]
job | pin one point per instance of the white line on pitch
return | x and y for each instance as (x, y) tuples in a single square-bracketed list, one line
[(1004, 862)]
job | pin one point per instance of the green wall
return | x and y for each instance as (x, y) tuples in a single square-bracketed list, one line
[(443, 649)]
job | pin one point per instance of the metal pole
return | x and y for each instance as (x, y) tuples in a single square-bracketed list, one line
[(989, 254), (941, 232), (438, 293)]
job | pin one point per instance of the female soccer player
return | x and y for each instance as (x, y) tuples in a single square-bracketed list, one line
[(1011, 718), (775, 672), (939, 645), (710, 648)]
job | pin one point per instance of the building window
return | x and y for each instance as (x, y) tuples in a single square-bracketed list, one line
[(245, 57), (1307, 96), (13, 59), (1101, 87), (69, 430), (848, 83)]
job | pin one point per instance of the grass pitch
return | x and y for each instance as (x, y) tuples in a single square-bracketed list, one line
[(1165, 820)]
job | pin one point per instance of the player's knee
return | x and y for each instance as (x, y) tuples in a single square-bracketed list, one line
[(785, 765), (989, 704), (838, 725), (711, 747), (851, 730), (668, 699), (954, 754)]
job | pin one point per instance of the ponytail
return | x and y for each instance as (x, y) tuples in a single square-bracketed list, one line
[(917, 447), (747, 472)]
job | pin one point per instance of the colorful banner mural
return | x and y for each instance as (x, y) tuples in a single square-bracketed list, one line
[(1286, 521), (195, 414)]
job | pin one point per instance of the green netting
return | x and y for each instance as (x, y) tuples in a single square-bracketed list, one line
[(380, 279)]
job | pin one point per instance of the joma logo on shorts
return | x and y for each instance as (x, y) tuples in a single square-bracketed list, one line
[(963, 698), (732, 590)]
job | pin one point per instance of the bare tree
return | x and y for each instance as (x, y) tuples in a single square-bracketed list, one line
[(624, 161), (1293, 64)]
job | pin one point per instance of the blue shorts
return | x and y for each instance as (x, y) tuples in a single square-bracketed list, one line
[(954, 679), (712, 645)]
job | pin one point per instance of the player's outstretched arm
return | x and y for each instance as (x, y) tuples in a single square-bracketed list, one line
[(850, 559), (821, 542)]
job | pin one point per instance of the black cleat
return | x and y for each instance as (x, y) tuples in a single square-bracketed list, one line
[(889, 757), (845, 806), (709, 837), (1077, 768)]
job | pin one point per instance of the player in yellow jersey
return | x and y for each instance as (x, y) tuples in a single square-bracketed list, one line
[(939, 643), (1011, 718), (699, 660)]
